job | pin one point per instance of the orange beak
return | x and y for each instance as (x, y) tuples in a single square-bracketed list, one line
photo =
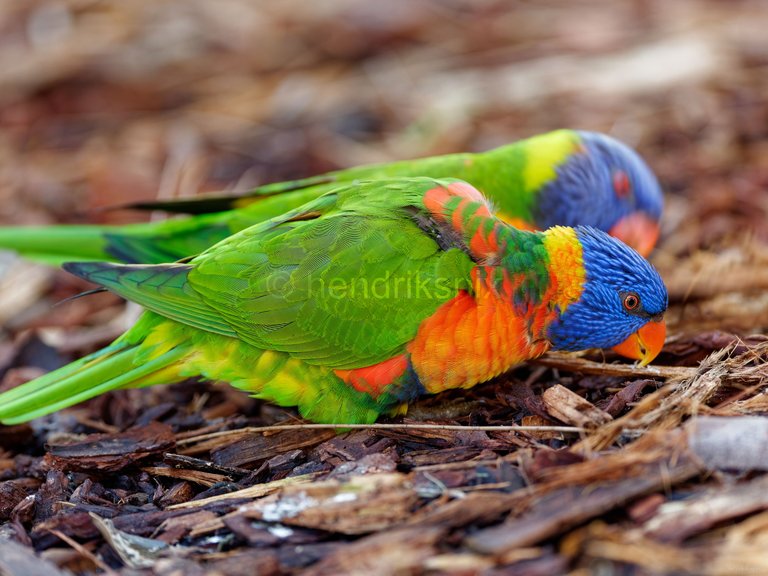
[(645, 344), (637, 230)]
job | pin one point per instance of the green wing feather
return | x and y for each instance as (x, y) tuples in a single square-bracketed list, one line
[(325, 283), (162, 288)]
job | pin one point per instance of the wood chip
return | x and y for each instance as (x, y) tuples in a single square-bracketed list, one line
[(390, 552), (196, 476), (258, 447), (112, 452), (559, 505), (14, 491), (359, 505), (573, 363), (18, 560), (134, 551), (257, 491), (676, 521), (738, 444), (570, 408)]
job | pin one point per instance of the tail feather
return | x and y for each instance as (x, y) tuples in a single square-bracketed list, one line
[(112, 368), (56, 244), (148, 242), (165, 241), (151, 242), (219, 202), (41, 383)]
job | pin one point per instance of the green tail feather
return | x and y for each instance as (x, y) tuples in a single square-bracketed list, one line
[(56, 244), (164, 241), (160, 351), (153, 242), (318, 393), (114, 367), (144, 243), (210, 203)]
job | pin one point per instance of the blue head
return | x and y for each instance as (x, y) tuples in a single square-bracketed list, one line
[(622, 302), (607, 186)]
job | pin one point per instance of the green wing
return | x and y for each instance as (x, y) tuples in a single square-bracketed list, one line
[(346, 288), (342, 282)]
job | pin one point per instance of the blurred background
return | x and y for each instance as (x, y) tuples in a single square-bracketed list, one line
[(107, 102)]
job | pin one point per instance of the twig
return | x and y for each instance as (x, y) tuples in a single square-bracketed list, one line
[(574, 364), (252, 492), (80, 549), (279, 428)]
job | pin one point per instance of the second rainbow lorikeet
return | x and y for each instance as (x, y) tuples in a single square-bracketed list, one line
[(360, 301), (566, 178)]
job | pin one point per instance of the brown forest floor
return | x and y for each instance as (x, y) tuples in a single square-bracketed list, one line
[(101, 103)]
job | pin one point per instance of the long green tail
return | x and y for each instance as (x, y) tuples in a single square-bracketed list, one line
[(164, 241), (147, 242), (120, 365), (152, 242), (56, 244)]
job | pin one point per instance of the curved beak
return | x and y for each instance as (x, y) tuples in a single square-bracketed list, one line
[(645, 344), (637, 230)]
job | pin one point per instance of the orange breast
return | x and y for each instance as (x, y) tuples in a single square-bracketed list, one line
[(471, 339)]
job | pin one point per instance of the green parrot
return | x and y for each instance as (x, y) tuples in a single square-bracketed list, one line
[(564, 178), (363, 299)]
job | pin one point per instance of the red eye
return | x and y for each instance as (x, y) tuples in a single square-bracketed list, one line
[(631, 301), (621, 184)]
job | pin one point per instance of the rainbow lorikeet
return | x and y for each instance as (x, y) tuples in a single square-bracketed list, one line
[(565, 177), (363, 299)]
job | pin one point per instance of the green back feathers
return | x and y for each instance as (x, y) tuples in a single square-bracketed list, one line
[(510, 175)]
